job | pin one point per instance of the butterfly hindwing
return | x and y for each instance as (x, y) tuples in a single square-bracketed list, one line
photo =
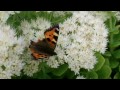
[(35, 52), (51, 35), (39, 56), (41, 49)]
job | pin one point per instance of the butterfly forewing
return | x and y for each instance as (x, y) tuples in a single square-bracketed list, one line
[(51, 35)]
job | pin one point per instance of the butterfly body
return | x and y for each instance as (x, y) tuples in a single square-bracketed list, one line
[(45, 48)]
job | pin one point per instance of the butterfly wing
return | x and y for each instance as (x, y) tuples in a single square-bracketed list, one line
[(36, 53), (37, 56), (41, 49), (45, 48), (51, 36)]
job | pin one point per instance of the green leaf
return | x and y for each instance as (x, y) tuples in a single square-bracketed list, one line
[(41, 75), (115, 30), (113, 21), (69, 74), (110, 23), (43, 70), (83, 72), (117, 75), (116, 54), (104, 72), (116, 37), (115, 44), (47, 68), (109, 78), (113, 63), (107, 53), (47, 76), (106, 61), (109, 13), (118, 26), (100, 62), (92, 75), (60, 70), (119, 68)]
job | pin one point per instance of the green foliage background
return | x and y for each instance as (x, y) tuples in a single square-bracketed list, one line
[(108, 66)]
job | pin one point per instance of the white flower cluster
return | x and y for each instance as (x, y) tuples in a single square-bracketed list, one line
[(105, 15), (59, 13), (79, 37), (4, 15), (31, 67), (33, 31), (10, 50), (100, 14)]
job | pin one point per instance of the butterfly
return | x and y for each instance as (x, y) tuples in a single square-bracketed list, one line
[(45, 48)]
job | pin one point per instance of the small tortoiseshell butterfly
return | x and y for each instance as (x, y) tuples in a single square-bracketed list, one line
[(45, 48)]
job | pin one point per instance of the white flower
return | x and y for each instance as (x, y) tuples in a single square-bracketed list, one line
[(100, 14), (105, 15), (80, 77), (32, 31), (53, 62), (31, 67), (58, 13), (4, 15), (11, 48), (79, 37), (49, 11)]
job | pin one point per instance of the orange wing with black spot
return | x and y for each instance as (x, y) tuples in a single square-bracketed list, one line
[(36, 53), (51, 35)]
